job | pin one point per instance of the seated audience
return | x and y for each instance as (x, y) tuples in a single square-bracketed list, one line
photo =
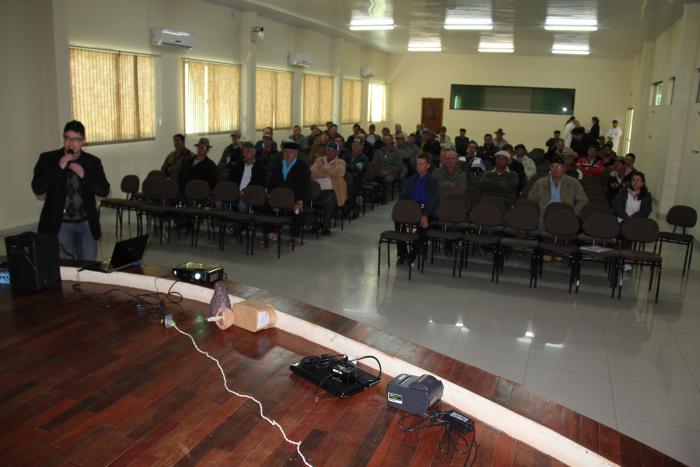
[(634, 200), (461, 142), (267, 151), (379, 143), (556, 151), (423, 189), (580, 142), (473, 163), (318, 149), (516, 166), (267, 135), (591, 165), (356, 163), (397, 129), (551, 141), (329, 172), (175, 160), (429, 144), (231, 155), (501, 181), (558, 187), (499, 141), (309, 141), (443, 139), (293, 173), (389, 164), (451, 179), (616, 179), (571, 168), (418, 134), (296, 135), (200, 167), (630, 160), (594, 132), (521, 156), (248, 171), (372, 136), (488, 150)]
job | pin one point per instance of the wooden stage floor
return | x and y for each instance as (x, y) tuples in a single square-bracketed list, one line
[(88, 380)]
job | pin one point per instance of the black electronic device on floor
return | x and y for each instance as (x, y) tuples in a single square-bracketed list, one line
[(32, 260), (199, 273), (336, 374)]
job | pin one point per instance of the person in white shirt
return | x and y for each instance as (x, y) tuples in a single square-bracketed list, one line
[(614, 135), (520, 154), (443, 139), (570, 125), (329, 172)]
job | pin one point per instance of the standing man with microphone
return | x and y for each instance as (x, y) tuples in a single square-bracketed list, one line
[(71, 179)]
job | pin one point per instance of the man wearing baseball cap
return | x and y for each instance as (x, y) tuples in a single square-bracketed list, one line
[(501, 181), (200, 167), (558, 188), (356, 163), (329, 172)]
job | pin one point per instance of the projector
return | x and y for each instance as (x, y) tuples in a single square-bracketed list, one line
[(198, 273)]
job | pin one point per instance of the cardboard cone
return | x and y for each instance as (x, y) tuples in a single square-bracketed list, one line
[(219, 300)]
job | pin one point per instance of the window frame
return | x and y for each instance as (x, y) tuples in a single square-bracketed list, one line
[(369, 102), (534, 93), (306, 123), (117, 54), (186, 60), (291, 107)]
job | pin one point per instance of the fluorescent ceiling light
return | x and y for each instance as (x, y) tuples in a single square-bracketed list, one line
[(467, 23), (557, 23), (571, 49), (496, 47), (373, 24), (425, 46)]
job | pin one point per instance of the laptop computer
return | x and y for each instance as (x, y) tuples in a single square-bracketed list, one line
[(125, 253)]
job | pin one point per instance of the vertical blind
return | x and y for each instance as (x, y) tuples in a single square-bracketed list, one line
[(318, 99), (212, 97), (273, 99), (352, 99), (377, 102), (112, 94)]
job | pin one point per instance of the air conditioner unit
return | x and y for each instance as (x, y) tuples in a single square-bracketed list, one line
[(367, 72), (168, 37), (299, 59)]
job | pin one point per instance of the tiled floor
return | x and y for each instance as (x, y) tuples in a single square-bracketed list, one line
[(629, 363)]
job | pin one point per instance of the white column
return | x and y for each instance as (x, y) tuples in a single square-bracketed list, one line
[(682, 97), (297, 91), (641, 105), (337, 72), (248, 64)]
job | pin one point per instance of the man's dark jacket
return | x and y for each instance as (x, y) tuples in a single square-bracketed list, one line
[(258, 175), (298, 180), (50, 179)]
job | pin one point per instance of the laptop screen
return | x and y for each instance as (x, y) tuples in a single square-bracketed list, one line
[(128, 251)]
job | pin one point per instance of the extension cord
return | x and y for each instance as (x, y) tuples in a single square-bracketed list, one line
[(458, 422)]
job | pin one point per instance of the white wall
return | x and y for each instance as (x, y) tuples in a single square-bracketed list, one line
[(602, 90)]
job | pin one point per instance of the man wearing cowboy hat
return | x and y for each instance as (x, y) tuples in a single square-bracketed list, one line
[(200, 167)]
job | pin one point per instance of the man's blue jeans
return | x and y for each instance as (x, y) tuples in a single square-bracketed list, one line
[(76, 241)]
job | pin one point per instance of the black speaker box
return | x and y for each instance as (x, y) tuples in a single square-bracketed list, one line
[(32, 259)]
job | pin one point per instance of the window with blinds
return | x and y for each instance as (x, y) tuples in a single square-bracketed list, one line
[(273, 99), (318, 99), (112, 94), (212, 97), (376, 97), (352, 98)]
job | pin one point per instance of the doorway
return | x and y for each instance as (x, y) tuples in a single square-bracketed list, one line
[(431, 113)]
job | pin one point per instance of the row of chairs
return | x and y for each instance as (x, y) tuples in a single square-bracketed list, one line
[(161, 204), (595, 235)]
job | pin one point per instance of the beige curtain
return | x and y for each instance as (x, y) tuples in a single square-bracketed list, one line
[(352, 95), (212, 97), (264, 98), (112, 93), (377, 102), (318, 99), (283, 100)]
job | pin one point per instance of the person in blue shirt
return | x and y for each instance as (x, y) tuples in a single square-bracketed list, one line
[(424, 189)]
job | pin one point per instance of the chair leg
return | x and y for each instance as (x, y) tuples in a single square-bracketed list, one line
[(658, 285), (454, 258), (651, 276), (379, 258), (685, 258)]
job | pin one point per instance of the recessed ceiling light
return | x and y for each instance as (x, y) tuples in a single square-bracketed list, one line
[(467, 23), (558, 23), (571, 49), (425, 46), (372, 24), (496, 47)]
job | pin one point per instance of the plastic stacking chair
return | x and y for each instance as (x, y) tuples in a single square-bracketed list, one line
[(683, 218), (406, 215), (640, 231)]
